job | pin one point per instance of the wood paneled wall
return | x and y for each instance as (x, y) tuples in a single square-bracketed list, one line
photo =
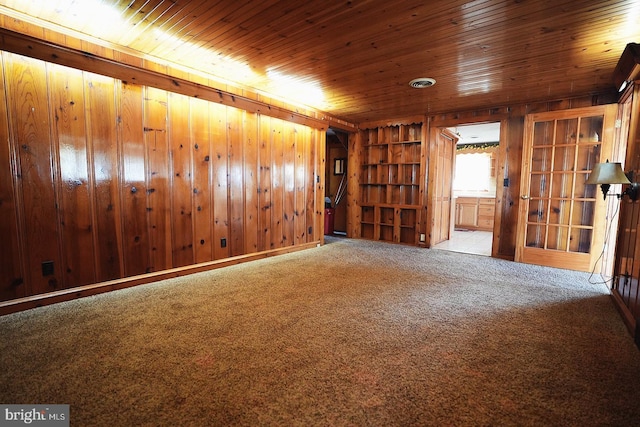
[(101, 180), (626, 281)]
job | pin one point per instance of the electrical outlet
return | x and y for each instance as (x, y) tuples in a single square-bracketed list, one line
[(47, 268), (223, 242)]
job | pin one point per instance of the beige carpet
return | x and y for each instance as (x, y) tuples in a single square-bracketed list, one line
[(352, 333)]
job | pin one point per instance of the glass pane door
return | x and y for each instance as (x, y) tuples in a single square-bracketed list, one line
[(561, 207), (557, 211)]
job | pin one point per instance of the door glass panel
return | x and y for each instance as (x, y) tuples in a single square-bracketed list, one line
[(588, 155), (559, 212), (535, 236), (583, 191), (583, 213), (562, 185), (543, 133), (538, 211), (564, 158), (539, 186), (541, 159), (557, 238), (566, 131), (581, 240), (590, 129)]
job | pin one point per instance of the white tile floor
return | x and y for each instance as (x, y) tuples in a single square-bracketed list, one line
[(470, 241)]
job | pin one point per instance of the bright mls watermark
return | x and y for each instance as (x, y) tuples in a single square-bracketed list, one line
[(35, 415)]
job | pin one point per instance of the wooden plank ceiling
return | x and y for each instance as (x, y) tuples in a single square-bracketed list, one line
[(354, 59)]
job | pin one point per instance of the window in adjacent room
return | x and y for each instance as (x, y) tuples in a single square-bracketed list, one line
[(475, 172)]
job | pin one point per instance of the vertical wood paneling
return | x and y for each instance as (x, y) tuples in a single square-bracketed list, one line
[(107, 180), (630, 290), (277, 183), (67, 99), (133, 181), (289, 164), (310, 173), (220, 186), (104, 153), (12, 284), (354, 218), (182, 217), (29, 117), (300, 142), (626, 286), (202, 190), (511, 192), (235, 121), (264, 191), (251, 184), (631, 294), (157, 157), (320, 162)]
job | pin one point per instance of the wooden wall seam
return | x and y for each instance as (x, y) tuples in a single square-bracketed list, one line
[(91, 182), (116, 97), (13, 269)]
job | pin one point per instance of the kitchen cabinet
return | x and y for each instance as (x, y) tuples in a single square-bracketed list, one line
[(475, 213)]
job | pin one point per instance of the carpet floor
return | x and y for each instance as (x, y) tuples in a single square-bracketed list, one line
[(352, 333)]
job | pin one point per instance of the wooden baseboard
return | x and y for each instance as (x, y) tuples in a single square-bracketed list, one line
[(26, 303)]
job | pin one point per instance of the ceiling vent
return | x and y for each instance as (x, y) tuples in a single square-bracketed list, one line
[(422, 82)]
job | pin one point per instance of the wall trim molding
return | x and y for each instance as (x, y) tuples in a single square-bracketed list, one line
[(22, 44), (26, 303)]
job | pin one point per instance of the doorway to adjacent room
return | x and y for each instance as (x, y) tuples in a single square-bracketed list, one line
[(336, 183), (473, 188)]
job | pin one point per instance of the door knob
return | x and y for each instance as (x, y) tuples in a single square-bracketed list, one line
[(525, 197)]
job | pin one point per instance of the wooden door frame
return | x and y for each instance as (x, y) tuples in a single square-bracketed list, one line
[(434, 154), (329, 165), (431, 173), (501, 172)]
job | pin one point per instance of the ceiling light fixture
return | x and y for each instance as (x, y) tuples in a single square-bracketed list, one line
[(422, 82)]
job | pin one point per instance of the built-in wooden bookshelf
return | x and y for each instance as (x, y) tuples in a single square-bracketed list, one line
[(390, 183)]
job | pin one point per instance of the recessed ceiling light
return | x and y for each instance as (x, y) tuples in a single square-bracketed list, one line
[(422, 82)]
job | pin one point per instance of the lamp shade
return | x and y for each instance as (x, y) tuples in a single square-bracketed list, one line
[(607, 173)]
